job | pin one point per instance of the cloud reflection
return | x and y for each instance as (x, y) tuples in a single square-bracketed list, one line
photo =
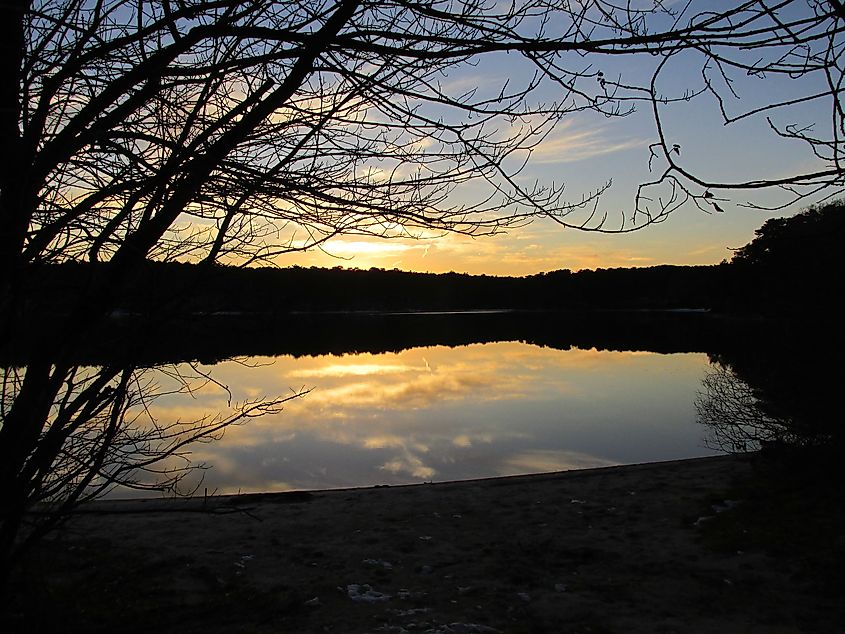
[(541, 461), (447, 413)]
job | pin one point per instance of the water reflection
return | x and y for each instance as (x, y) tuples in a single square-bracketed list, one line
[(440, 413), (733, 414), (748, 402)]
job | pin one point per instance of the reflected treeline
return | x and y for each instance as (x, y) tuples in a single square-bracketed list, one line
[(211, 338), (783, 395), (736, 416)]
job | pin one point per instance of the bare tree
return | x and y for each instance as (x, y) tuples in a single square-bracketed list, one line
[(778, 62), (102, 431), (734, 415), (228, 131), (751, 399)]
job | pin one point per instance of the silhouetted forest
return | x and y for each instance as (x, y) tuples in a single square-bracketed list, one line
[(187, 288), (790, 271), (795, 385), (792, 265)]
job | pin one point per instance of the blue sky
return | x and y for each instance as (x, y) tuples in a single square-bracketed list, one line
[(587, 149)]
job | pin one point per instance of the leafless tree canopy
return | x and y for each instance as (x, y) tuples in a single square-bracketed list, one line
[(228, 131), (102, 431), (734, 416), (170, 128)]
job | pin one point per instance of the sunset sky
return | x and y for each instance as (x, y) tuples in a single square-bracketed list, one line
[(586, 154), (587, 149)]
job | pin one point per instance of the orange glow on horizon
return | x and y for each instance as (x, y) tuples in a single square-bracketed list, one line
[(520, 253)]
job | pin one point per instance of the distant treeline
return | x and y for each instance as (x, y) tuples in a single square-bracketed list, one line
[(787, 277), (191, 288), (793, 265)]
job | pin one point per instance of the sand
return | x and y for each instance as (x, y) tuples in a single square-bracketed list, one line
[(617, 549)]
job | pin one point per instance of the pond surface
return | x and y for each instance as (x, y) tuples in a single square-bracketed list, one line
[(446, 413)]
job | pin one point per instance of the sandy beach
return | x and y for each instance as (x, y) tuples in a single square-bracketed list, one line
[(619, 549)]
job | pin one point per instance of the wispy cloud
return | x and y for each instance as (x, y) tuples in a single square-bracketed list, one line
[(362, 247), (539, 461), (354, 369), (569, 143)]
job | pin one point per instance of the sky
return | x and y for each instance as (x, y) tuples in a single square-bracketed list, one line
[(587, 149)]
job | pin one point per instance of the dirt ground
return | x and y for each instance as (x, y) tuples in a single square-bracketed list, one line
[(620, 549)]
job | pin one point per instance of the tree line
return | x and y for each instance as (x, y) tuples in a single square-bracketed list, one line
[(158, 285), (792, 266)]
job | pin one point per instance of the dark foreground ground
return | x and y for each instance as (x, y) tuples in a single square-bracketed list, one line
[(686, 546)]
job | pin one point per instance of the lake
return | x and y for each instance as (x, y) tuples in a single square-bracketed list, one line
[(438, 413)]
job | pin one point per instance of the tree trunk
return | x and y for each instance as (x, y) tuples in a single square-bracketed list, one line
[(15, 213), (19, 436)]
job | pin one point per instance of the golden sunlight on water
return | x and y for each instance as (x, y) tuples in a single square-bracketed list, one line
[(443, 413)]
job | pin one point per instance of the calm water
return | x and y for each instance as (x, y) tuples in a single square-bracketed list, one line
[(440, 413)]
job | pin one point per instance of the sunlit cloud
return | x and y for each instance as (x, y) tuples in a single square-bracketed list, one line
[(540, 461), (361, 247), (355, 369), (384, 441), (421, 391), (569, 144), (427, 413), (462, 441), (411, 465), (519, 253), (504, 256), (469, 440), (434, 387), (526, 251)]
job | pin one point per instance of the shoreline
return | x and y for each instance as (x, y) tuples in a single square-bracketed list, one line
[(610, 549), (152, 504)]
